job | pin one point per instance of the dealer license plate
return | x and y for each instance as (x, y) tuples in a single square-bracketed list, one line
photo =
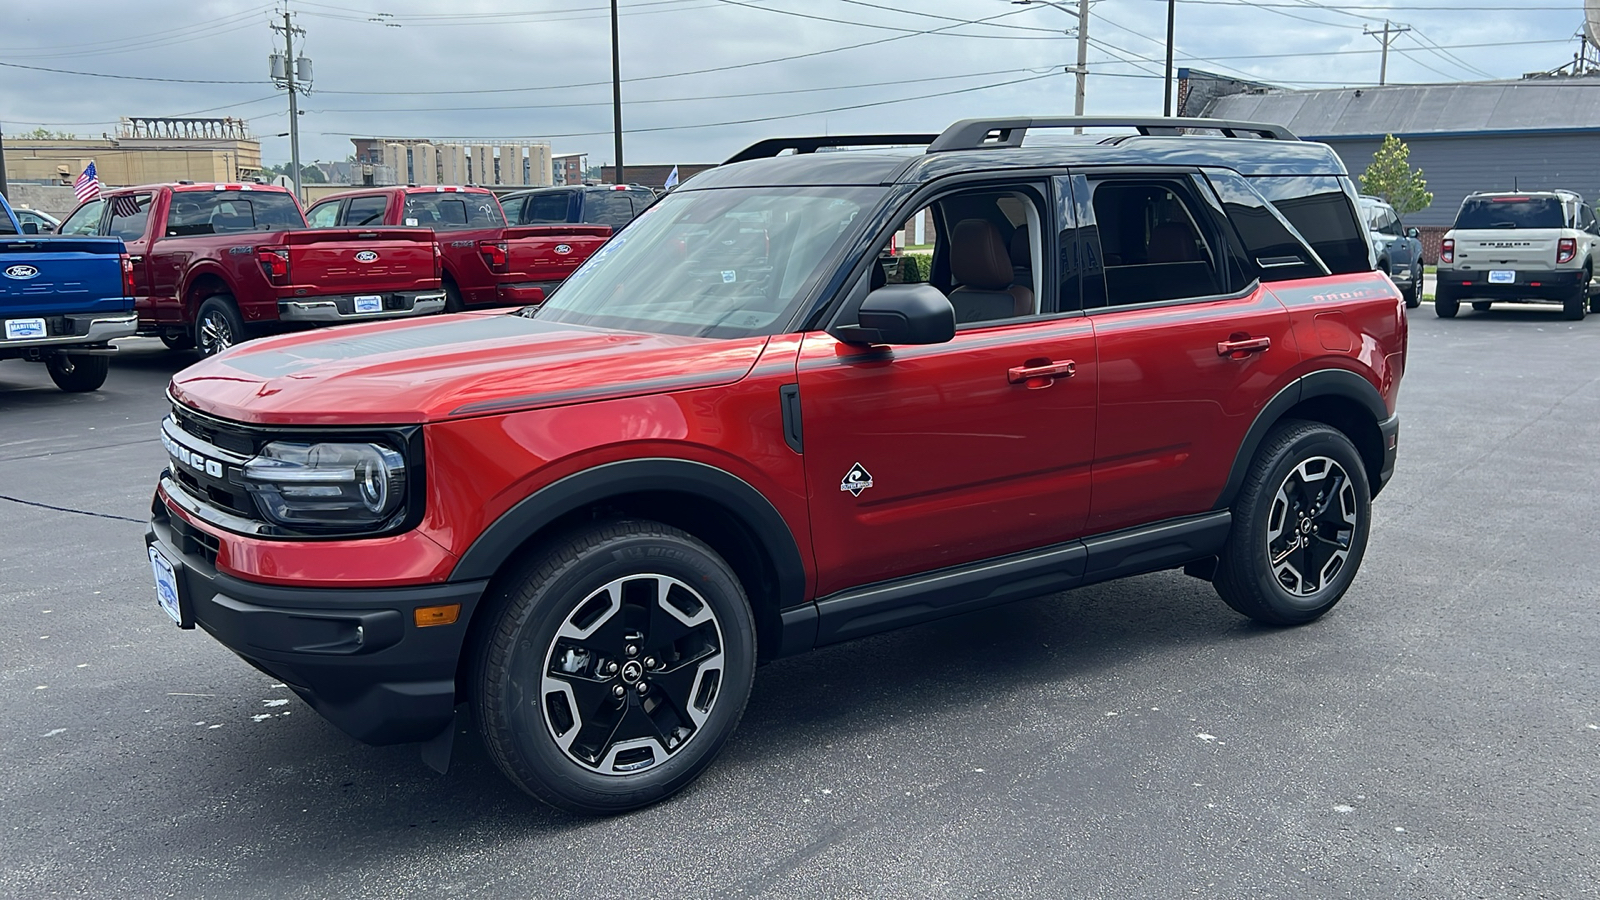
[(1502, 276), (17, 329), (369, 303), (166, 586)]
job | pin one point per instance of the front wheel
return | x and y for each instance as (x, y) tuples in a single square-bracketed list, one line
[(616, 666), (78, 374), (1299, 526), (177, 340)]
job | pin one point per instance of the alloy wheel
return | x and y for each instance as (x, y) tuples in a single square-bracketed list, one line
[(215, 333), (632, 674), (1311, 526)]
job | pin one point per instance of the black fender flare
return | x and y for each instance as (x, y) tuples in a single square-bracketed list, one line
[(1327, 382), (492, 548)]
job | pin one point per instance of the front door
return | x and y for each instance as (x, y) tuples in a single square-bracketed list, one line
[(923, 457)]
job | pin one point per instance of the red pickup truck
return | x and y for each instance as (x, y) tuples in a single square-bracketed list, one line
[(485, 262), (215, 264)]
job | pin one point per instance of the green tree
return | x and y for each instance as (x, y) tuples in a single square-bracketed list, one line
[(1391, 177), (45, 134)]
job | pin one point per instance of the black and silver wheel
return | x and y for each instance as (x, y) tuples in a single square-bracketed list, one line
[(78, 374), (1481, 305), (1299, 526), (177, 340), (218, 325), (617, 666)]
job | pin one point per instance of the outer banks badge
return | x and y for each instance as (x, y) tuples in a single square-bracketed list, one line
[(856, 480)]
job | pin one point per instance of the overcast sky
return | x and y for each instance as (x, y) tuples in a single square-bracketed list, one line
[(541, 68)]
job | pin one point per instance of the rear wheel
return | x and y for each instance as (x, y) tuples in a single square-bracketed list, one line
[(616, 667), (1481, 305), (1576, 306), (1409, 294), (452, 298), (1445, 304), (177, 340), (78, 374), (218, 326), (1299, 526)]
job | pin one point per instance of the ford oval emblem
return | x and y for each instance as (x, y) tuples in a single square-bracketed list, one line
[(21, 273), (366, 256), (563, 249)]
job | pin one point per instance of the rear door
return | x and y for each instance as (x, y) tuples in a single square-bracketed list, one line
[(1188, 349), (923, 457)]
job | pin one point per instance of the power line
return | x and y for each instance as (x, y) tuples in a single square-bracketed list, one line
[(908, 31), (182, 115), (125, 77)]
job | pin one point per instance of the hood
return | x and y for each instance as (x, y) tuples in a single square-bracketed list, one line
[(409, 372)]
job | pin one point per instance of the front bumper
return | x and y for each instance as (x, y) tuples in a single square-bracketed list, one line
[(78, 331), (355, 655), (393, 305), (1531, 284)]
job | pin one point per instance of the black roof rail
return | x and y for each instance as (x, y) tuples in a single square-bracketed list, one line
[(775, 146), (979, 134)]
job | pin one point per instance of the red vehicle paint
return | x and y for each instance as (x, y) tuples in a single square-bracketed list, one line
[(1153, 369), (242, 255), (485, 263)]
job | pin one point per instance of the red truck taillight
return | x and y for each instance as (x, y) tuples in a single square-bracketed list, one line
[(494, 253), (1566, 249), (274, 263), (127, 275), (1447, 250)]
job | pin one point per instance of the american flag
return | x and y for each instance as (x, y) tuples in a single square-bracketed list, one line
[(126, 206), (87, 187)]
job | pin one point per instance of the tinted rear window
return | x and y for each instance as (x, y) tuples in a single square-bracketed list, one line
[(547, 209), (1510, 212), (227, 212), (454, 211)]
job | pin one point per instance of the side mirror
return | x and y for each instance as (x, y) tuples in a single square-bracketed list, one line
[(30, 227), (902, 314), (1413, 233)]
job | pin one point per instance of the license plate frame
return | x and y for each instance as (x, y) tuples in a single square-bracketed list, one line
[(22, 329), (1502, 276), (169, 587), (369, 303)]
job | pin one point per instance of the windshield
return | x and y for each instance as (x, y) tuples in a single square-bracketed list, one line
[(1510, 212), (725, 263)]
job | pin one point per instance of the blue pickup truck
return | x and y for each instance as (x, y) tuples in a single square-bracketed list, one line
[(63, 299)]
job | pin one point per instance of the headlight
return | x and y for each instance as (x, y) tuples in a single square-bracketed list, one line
[(327, 485)]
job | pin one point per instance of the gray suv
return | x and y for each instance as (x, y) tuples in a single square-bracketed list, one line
[(1398, 249)]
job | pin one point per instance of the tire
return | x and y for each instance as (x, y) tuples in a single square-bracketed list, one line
[(1290, 474), (78, 374), (570, 740), (1445, 305), (452, 298), (1481, 305), (218, 325), (1576, 306), (1411, 298), (177, 340)]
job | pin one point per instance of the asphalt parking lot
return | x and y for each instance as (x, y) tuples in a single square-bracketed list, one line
[(1436, 736)]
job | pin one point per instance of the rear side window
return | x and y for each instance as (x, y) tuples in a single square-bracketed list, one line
[(130, 213), (1152, 242), (547, 209), (5, 225), (1272, 251), (1510, 212), (230, 212), (454, 211), (612, 208), (364, 211), (1320, 209), (323, 215), (513, 209)]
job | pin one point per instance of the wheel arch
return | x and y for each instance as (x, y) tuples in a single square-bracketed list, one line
[(1339, 398), (203, 283), (719, 508)]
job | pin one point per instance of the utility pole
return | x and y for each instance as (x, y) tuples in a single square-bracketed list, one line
[(1386, 37), (5, 185), (1166, 98), (1082, 15), (286, 78), (616, 94)]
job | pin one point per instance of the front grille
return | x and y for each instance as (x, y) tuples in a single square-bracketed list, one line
[(190, 541), (206, 455)]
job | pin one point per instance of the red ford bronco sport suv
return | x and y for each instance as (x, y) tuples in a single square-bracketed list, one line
[(727, 439)]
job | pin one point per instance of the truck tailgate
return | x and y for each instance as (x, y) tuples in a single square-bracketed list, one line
[(550, 252), (1511, 248), (326, 261), (53, 276)]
